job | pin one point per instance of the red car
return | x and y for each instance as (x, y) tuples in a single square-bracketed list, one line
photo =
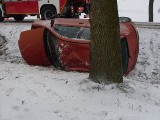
[(64, 43)]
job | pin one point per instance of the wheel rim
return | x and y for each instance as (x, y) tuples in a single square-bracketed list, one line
[(48, 14)]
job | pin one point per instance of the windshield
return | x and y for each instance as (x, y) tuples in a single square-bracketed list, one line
[(67, 31), (73, 32)]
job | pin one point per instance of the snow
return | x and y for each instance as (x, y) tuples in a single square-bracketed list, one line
[(45, 93), (137, 10)]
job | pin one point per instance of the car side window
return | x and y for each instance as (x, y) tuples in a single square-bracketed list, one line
[(86, 34), (67, 31)]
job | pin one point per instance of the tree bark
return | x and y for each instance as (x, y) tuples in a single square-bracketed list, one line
[(105, 51), (151, 2)]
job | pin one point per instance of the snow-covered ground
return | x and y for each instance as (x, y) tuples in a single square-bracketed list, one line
[(44, 93)]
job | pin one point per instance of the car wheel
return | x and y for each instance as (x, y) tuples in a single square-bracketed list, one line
[(48, 12), (51, 47), (19, 17), (1, 18)]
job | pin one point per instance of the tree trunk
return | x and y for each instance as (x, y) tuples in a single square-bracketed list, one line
[(105, 51), (151, 10)]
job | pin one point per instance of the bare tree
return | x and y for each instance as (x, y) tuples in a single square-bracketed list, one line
[(105, 51), (151, 2)]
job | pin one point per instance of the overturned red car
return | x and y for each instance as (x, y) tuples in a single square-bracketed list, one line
[(64, 43)]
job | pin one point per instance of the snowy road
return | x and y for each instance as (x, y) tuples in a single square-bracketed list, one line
[(44, 93), (148, 25)]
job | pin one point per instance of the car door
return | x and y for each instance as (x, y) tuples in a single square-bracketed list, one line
[(31, 45)]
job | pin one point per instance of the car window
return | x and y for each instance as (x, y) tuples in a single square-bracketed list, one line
[(86, 34), (67, 31)]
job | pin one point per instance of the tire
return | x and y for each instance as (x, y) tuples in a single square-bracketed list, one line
[(1, 18), (48, 12), (19, 18), (51, 48)]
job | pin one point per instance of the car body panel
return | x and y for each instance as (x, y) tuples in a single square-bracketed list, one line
[(32, 49), (132, 38), (74, 56)]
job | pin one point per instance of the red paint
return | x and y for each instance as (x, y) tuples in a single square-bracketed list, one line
[(30, 7), (22, 7), (74, 56), (13, 7), (62, 4), (32, 47)]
